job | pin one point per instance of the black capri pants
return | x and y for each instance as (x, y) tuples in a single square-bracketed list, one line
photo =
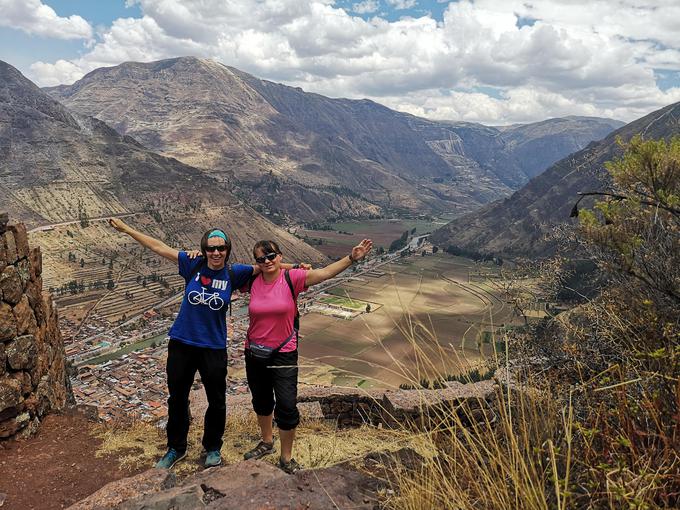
[(275, 389)]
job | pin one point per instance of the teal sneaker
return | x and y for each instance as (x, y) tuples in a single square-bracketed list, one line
[(170, 458), (212, 459)]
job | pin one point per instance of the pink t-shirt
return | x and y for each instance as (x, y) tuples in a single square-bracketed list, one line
[(272, 310)]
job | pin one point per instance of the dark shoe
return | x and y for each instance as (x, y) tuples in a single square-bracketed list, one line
[(291, 467), (170, 458), (212, 459), (259, 451)]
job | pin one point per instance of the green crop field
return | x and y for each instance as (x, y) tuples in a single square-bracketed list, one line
[(344, 302)]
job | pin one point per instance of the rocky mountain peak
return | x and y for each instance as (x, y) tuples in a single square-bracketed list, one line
[(18, 92), (328, 157)]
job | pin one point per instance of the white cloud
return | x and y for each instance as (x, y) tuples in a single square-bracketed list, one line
[(593, 57), (62, 71), (34, 17), (402, 4), (366, 7)]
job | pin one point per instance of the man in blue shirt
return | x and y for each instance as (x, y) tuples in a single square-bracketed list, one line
[(198, 338)]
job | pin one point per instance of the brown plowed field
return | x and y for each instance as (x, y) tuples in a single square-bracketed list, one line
[(428, 325)]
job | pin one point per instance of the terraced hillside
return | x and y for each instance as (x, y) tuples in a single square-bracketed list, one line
[(64, 173)]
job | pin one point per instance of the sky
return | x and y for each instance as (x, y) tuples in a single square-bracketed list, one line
[(490, 61)]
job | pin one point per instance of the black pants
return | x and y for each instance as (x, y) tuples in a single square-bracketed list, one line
[(183, 362), (275, 389)]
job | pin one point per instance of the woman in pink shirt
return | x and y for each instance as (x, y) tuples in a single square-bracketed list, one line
[(271, 343)]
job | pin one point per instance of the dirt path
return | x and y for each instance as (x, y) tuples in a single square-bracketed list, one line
[(56, 468)]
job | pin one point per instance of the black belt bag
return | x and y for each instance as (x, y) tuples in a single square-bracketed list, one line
[(263, 353)]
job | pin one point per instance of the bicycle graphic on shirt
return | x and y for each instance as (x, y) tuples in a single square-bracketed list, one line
[(214, 301)]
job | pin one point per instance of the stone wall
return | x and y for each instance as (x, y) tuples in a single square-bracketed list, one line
[(348, 407), (32, 361)]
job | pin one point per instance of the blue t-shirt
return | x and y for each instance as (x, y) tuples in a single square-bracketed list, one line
[(202, 316)]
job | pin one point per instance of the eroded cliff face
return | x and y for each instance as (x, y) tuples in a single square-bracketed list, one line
[(33, 378)]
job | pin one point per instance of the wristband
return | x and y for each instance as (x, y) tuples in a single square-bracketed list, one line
[(296, 266), (352, 260)]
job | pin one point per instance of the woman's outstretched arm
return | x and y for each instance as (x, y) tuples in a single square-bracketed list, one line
[(315, 276), (156, 246)]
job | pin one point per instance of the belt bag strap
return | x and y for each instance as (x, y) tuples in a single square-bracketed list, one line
[(293, 333), (281, 345)]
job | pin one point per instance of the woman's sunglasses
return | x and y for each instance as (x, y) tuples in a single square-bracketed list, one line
[(268, 256), (219, 248)]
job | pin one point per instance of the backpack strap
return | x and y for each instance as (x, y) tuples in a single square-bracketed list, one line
[(251, 280), (230, 273), (296, 320)]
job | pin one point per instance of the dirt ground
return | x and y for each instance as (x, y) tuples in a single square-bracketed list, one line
[(57, 467)]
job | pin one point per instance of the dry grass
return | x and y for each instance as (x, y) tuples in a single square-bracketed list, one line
[(319, 443)]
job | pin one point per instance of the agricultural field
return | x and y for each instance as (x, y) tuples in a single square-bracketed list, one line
[(429, 322), (339, 239), (344, 302), (89, 270)]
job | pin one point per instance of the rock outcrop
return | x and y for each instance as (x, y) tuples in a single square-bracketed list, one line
[(33, 377), (248, 484)]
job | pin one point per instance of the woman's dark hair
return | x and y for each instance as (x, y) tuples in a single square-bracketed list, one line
[(206, 236), (266, 247)]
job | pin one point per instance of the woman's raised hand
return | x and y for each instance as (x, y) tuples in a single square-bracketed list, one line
[(118, 224), (362, 249)]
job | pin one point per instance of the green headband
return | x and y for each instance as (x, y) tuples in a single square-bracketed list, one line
[(218, 233)]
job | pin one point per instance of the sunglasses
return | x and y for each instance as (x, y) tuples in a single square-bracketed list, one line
[(268, 256), (219, 248)]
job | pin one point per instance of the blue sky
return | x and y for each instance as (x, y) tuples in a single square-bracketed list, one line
[(490, 61)]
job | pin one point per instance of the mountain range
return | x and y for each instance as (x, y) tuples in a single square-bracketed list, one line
[(57, 166), (529, 222), (313, 158)]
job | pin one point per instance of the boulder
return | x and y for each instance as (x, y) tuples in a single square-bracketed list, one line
[(23, 380), (10, 285), (248, 484), (33, 292), (22, 353), (25, 319), (12, 426), (193, 496), (116, 493), (10, 248), (35, 260), (10, 393), (3, 359), (20, 239), (333, 487), (8, 323), (24, 272)]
